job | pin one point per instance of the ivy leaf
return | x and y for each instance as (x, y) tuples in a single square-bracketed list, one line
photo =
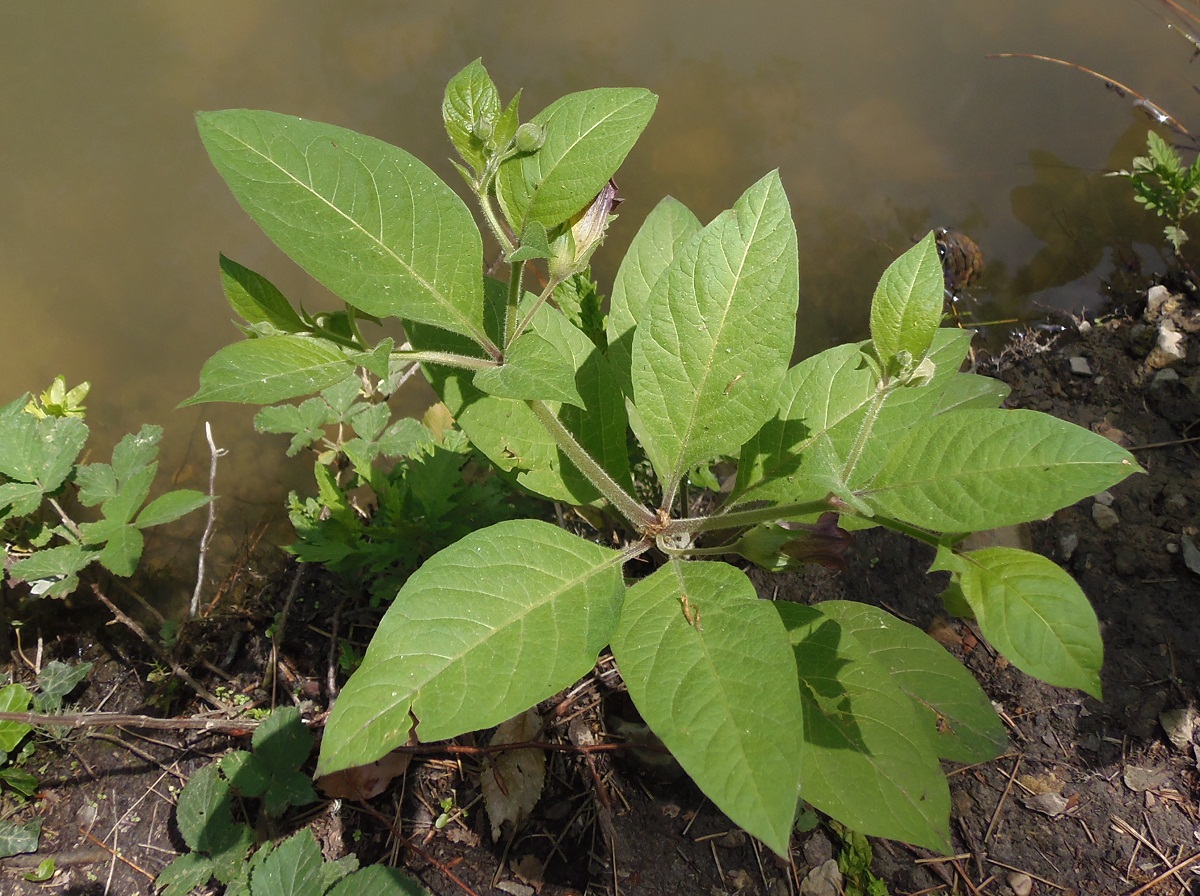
[(717, 334), (869, 759), (587, 136), (523, 596), (18, 838), (366, 219), (709, 668), (1033, 612)]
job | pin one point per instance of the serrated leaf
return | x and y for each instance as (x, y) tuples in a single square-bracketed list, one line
[(588, 135), (717, 334), (710, 669), (406, 438), (122, 550), (184, 874), (512, 781), (969, 470), (171, 506), (523, 596), (271, 369), (41, 451), (245, 773), (471, 103), (19, 499), (366, 219), (378, 880), (131, 494), (64, 560), (204, 813), (533, 368), (907, 306), (966, 726), (292, 869), (256, 299), (97, 483), (869, 759), (368, 420), (660, 237), (136, 451), (282, 744), (1033, 613)]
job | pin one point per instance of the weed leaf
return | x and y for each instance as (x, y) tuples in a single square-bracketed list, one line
[(907, 306), (709, 668), (256, 299), (271, 369), (378, 880), (366, 219), (523, 598)]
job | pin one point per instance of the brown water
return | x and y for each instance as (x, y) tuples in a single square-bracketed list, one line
[(885, 118)]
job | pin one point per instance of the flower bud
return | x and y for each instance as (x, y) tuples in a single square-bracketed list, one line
[(530, 137)]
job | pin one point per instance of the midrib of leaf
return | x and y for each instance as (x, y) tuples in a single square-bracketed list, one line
[(691, 423), (470, 327)]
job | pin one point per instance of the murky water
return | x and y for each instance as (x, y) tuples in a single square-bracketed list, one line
[(885, 118)]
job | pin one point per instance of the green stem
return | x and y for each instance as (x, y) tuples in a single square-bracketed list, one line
[(638, 515), (66, 520), (716, 551), (541, 300), (741, 518), (516, 275), (882, 388), (913, 532), (447, 359)]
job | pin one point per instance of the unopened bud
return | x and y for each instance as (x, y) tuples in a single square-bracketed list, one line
[(530, 137)]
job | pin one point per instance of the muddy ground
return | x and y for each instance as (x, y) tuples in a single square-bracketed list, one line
[(1092, 797)]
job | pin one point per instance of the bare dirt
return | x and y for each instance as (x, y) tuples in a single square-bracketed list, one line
[(1093, 797)]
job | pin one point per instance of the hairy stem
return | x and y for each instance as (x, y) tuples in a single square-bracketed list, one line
[(741, 518), (638, 515)]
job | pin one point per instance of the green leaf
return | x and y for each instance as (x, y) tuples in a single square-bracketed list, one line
[(471, 111), (306, 421), (282, 744), (534, 368), (64, 560), (97, 483), (256, 299), (821, 408), (136, 451), (41, 451), (508, 433), (378, 880), (292, 869), (13, 698), (907, 306), (953, 704), (662, 234), (55, 681), (969, 470), (270, 369), (171, 506), (204, 814), (588, 135), (184, 874), (714, 344), (523, 596), (17, 838), (709, 668), (1033, 613), (245, 773), (132, 493), (869, 759), (366, 219), (19, 498), (405, 438)]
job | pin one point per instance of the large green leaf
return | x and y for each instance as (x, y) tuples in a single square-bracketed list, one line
[(1033, 612), (509, 434), (951, 700), (171, 506), (717, 334), (293, 868), (709, 668), (587, 136), (907, 306), (270, 369), (366, 219), (821, 406), (969, 470), (869, 759), (661, 235), (484, 630)]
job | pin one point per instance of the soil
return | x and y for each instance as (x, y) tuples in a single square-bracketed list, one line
[(1093, 797)]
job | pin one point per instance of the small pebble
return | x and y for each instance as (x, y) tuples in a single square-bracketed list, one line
[(1067, 544), (1155, 299), (1164, 378), (1080, 366), (1020, 882), (1105, 498), (1105, 517)]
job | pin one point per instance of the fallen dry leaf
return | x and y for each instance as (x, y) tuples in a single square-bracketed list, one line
[(512, 782), (365, 781)]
